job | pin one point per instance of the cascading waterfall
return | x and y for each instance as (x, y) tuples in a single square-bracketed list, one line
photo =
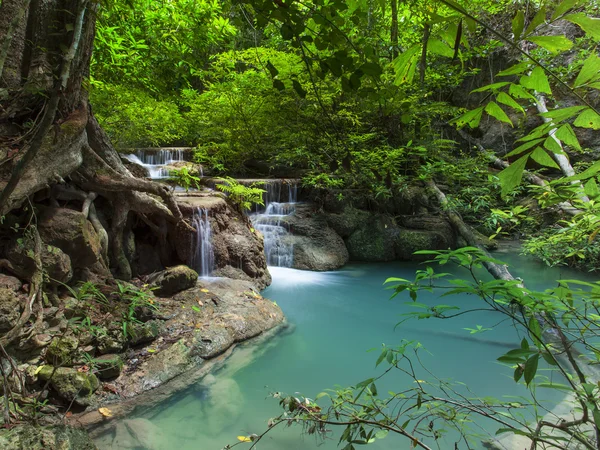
[(203, 257), (279, 248), (156, 160)]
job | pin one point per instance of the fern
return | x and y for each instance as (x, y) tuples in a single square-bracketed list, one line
[(241, 196)]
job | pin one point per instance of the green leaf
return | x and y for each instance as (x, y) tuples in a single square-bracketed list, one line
[(563, 7), (372, 69), (540, 156), (551, 144), (515, 70), (272, 69), (588, 24), (591, 189), (538, 19), (405, 65), (491, 87), (517, 91), (298, 88), (494, 110), (507, 100), (526, 146), (588, 119), (596, 415), (287, 32), (510, 177), (590, 71), (535, 331), (518, 23), (536, 81), (278, 84), (470, 118), (560, 114), (554, 44), (437, 47), (531, 368)]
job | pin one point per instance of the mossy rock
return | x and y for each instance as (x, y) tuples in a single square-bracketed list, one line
[(173, 280), (61, 351), (108, 366), (70, 384), (110, 343), (143, 333), (29, 437)]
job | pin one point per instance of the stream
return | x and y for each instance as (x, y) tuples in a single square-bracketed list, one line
[(336, 318)]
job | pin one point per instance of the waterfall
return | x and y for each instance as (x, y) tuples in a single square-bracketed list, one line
[(155, 160), (203, 257), (271, 222)]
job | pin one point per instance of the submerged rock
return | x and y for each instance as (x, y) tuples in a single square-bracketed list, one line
[(173, 280), (70, 384), (29, 437)]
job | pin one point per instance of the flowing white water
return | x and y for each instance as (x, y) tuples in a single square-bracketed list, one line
[(155, 161), (203, 257), (279, 248)]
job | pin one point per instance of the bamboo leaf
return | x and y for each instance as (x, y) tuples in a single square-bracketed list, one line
[(518, 23)]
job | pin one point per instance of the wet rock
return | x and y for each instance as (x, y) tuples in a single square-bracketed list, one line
[(146, 433), (10, 306), (123, 438), (212, 340), (108, 366), (110, 343), (173, 280), (29, 437), (70, 231), (8, 282), (142, 333), (137, 170), (61, 351), (374, 240), (347, 221), (409, 241), (70, 384)]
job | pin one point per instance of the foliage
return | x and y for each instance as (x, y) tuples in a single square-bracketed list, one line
[(184, 178), (243, 197), (134, 298)]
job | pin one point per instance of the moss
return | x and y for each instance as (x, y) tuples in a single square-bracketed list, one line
[(61, 351)]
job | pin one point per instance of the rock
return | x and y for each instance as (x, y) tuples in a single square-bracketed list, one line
[(10, 307), (61, 351), (149, 436), (374, 240), (212, 340), (409, 241), (29, 437), (137, 170), (8, 282), (108, 366), (110, 343), (173, 280), (346, 222), (147, 259), (123, 438), (142, 333), (70, 231), (70, 384), (56, 263)]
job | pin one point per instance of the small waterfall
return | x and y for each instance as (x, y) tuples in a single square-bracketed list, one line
[(279, 248), (203, 257), (155, 159)]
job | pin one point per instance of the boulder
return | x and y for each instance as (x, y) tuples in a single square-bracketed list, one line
[(70, 231), (173, 280), (374, 240), (70, 384), (347, 221), (61, 351), (32, 437), (8, 282), (110, 343), (56, 263), (10, 307), (142, 333), (108, 366), (409, 241)]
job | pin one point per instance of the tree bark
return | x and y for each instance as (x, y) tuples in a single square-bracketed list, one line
[(394, 28)]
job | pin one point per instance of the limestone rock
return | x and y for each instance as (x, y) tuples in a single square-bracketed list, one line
[(374, 240), (31, 437), (61, 351), (8, 282), (173, 280), (56, 263), (108, 366), (70, 384), (10, 307), (70, 231), (347, 221), (142, 333), (146, 433), (110, 343)]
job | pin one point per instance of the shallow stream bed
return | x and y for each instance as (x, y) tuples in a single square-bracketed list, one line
[(335, 318)]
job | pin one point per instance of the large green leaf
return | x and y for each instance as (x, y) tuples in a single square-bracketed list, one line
[(563, 7), (515, 70), (491, 87), (554, 44), (510, 177), (507, 100), (406, 64), (588, 119), (560, 114), (526, 146), (518, 23), (551, 144), (531, 368), (494, 110), (538, 19), (372, 69), (537, 81), (437, 47), (540, 156), (589, 72), (588, 24), (567, 135), (470, 118)]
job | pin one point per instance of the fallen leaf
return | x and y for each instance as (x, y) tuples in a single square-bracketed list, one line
[(68, 414), (200, 303), (105, 412), (38, 370), (244, 439), (204, 290)]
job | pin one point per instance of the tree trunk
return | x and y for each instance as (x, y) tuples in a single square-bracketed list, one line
[(394, 29)]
